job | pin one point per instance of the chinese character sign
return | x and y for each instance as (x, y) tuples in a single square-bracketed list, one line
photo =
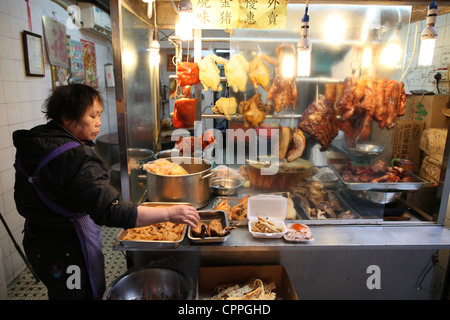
[(215, 14), (263, 14), (230, 14), (56, 43)]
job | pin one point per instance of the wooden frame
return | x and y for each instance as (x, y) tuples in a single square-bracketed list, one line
[(33, 54)]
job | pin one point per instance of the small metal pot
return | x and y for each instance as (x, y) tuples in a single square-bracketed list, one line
[(141, 155), (194, 187), (225, 186)]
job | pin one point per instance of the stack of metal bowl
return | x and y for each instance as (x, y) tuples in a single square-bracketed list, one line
[(225, 186), (151, 284)]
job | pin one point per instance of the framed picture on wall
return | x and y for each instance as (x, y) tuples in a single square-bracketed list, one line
[(33, 54)]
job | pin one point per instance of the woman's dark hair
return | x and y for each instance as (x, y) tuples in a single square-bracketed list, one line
[(70, 102)]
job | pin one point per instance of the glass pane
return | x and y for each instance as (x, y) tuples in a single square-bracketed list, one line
[(141, 83)]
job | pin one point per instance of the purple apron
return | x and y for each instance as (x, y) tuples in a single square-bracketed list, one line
[(89, 233)]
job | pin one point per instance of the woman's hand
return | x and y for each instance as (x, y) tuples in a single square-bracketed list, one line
[(183, 214), (175, 214)]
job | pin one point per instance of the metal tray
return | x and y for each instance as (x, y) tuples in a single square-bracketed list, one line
[(149, 244), (206, 216), (235, 200), (414, 185), (342, 202), (152, 244)]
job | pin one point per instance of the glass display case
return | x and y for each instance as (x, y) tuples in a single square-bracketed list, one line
[(399, 231), (356, 50)]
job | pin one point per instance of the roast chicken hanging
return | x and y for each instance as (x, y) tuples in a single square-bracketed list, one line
[(283, 90), (209, 73), (259, 73), (236, 73)]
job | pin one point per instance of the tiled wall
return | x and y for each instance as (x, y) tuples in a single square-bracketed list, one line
[(21, 99), (420, 78)]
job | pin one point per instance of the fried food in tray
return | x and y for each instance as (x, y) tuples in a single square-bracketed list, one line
[(158, 235), (254, 289), (213, 229), (264, 225), (166, 231)]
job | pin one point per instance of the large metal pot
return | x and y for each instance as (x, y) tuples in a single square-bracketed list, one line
[(151, 284), (171, 153), (194, 187)]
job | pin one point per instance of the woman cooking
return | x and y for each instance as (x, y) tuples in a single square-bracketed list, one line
[(62, 189)]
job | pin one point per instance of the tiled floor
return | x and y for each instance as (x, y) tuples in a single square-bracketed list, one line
[(24, 287)]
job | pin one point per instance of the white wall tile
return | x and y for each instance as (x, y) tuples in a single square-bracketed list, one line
[(5, 29), (16, 26), (8, 177), (8, 69), (3, 6), (11, 91), (5, 48), (26, 111), (24, 87), (4, 143), (8, 156), (13, 111), (2, 94), (17, 9)]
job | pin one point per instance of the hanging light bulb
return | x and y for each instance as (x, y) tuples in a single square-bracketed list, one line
[(304, 48), (155, 58), (390, 55), (184, 27), (429, 36)]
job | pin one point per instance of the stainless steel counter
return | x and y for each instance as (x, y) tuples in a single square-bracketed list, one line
[(328, 237)]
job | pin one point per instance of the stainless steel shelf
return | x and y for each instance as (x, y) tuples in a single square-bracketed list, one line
[(239, 116)]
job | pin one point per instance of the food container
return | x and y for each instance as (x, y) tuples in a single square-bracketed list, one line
[(283, 177), (151, 284), (152, 244), (206, 216), (194, 187), (233, 201), (272, 208), (379, 197), (225, 186)]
